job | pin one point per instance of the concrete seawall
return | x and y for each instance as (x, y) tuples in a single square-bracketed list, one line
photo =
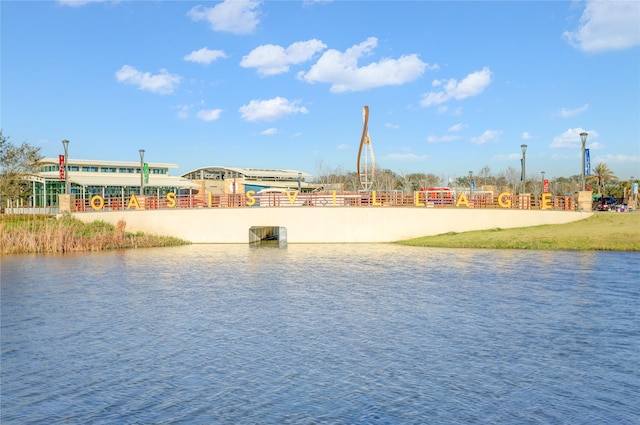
[(325, 224)]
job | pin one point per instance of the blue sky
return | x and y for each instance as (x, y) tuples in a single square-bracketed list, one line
[(451, 86)]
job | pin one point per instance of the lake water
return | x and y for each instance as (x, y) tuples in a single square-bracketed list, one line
[(321, 334)]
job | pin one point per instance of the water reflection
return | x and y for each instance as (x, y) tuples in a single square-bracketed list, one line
[(320, 334)]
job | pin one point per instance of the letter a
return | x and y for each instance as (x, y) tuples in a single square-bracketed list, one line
[(133, 202), (462, 199)]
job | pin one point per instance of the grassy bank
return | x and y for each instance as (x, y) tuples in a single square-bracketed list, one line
[(46, 234), (605, 231)]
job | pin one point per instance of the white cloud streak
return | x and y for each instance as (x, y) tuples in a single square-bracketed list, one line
[(204, 56), (567, 113), (271, 109), (606, 26), (161, 83), (270, 59), (342, 72), (209, 114), (472, 85), (233, 16)]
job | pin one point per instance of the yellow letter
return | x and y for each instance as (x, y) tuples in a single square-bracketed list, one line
[(133, 202), (545, 201), (334, 197), (418, 202), (292, 199), (171, 199), (373, 199), (462, 199), (250, 199), (100, 204), (502, 202), (210, 199)]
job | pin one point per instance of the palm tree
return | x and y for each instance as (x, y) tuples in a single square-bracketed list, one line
[(601, 175)]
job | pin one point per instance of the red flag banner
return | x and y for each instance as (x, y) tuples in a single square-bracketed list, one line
[(61, 163)]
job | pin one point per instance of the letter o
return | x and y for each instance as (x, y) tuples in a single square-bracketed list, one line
[(100, 203)]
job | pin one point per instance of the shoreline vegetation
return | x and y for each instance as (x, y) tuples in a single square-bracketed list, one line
[(604, 231), (27, 234)]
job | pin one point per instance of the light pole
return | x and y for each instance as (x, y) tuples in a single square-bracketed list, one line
[(583, 138), (65, 143), (141, 172), (542, 173), (299, 182), (470, 182), (524, 167)]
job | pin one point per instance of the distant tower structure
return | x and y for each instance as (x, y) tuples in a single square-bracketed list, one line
[(366, 160)]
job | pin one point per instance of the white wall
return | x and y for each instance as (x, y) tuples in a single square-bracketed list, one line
[(326, 225)]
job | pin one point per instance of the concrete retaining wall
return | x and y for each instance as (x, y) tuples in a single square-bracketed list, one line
[(325, 225)]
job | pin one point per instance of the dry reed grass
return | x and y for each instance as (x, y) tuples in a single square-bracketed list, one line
[(44, 234)]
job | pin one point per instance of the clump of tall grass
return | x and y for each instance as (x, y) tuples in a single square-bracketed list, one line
[(46, 234)]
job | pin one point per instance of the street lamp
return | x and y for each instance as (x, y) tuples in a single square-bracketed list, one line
[(470, 182), (299, 182), (67, 183), (524, 167), (583, 138), (141, 171), (542, 173)]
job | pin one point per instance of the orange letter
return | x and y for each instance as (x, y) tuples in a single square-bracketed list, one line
[(100, 204), (462, 199), (502, 202), (171, 199), (133, 202), (210, 199), (545, 201), (373, 199), (292, 199), (250, 199)]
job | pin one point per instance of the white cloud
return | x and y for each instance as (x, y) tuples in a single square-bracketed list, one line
[(77, 3), (508, 157), (270, 59), (472, 85), (526, 135), (457, 127), (269, 131), (566, 113), (234, 16), (271, 109), (607, 25), (162, 83), (204, 56), (571, 138), (617, 159), (391, 125), (406, 157), (183, 111), (443, 139), (343, 147), (209, 114), (487, 136), (342, 72)]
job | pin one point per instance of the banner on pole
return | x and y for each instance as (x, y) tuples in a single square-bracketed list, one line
[(146, 173), (587, 163), (521, 168), (546, 186), (61, 166)]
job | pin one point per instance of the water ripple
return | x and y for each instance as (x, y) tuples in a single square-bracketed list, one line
[(338, 334)]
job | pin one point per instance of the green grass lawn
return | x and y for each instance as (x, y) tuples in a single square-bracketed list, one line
[(607, 231)]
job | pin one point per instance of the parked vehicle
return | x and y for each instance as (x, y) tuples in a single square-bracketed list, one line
[(607, 203)]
